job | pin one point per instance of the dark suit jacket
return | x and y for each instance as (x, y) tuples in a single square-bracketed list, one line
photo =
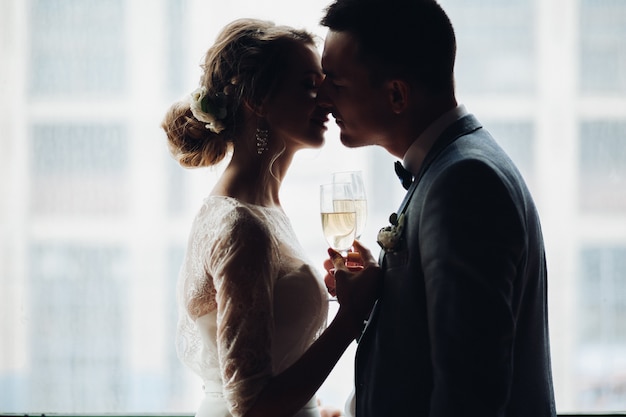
[(461, 328)]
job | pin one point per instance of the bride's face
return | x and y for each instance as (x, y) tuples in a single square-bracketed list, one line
[(292, 113)]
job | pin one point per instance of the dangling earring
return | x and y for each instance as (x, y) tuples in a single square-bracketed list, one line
[(261, 136)]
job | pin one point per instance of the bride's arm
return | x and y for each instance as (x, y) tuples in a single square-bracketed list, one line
[(243, 262)]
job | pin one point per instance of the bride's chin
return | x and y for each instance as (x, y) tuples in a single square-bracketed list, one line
[(348, 142), (315, 142)]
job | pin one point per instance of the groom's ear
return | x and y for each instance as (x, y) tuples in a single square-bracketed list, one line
[(399, 91)]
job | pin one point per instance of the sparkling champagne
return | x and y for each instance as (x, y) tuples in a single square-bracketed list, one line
[(339, 228), (360, 207)]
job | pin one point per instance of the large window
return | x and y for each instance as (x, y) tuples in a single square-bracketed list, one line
[(94, 213)]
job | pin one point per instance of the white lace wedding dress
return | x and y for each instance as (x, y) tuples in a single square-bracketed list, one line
[(249, 303)]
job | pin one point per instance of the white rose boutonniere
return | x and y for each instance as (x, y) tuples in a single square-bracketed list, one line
[(389, 237), (211, 112)]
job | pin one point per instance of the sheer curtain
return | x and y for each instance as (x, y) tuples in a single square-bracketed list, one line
[(94, 213)]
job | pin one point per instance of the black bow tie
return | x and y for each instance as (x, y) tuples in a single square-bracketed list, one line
[(405, 176)]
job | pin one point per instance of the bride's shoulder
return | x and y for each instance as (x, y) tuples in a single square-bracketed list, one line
[(225, 212)]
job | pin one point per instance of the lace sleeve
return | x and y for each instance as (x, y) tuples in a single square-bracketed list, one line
[(241, 264)]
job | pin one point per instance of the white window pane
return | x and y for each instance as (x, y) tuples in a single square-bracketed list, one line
[(77, 47), (495, 45), (603, 166), (79, 169), (602, 46), (76, 320), (600, 357)]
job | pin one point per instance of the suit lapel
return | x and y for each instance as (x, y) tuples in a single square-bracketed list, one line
[(461, 127)]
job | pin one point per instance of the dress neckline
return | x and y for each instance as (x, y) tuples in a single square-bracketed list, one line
[(245, 203)]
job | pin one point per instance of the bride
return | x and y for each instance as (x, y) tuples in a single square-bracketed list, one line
[(252, 319)]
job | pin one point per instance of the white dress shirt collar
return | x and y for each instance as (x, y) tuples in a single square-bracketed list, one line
[(415, 155)]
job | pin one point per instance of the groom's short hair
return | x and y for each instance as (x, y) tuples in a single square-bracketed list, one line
[(412, 39)]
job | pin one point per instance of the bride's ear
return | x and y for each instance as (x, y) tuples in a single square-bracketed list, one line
[(258, 109)]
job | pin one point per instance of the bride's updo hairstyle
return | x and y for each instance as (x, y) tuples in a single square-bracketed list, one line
[(247, 62)]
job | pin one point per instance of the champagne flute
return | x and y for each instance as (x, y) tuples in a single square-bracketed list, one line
[(338, 215), (355, 179), (339, 219)]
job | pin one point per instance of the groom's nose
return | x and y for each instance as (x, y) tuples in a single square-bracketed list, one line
[(322, 98)]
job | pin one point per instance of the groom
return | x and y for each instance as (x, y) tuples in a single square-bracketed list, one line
[(461, 327)]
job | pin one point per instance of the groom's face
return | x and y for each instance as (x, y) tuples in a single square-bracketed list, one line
[(359, 107)]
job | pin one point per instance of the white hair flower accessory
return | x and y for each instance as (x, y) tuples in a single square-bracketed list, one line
[(390, 236), (211, 112)]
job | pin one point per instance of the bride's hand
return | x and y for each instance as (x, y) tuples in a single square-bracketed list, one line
[(354, 262), (328, 411), (329, 279), (357, 291)]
